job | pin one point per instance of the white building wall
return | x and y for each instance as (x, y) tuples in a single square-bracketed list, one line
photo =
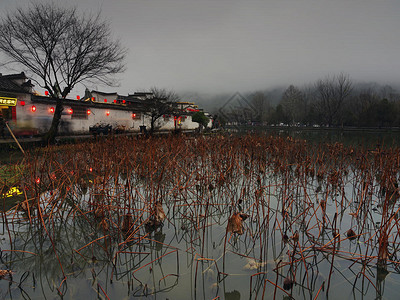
[(189, 124), (100, 116), (185, 124), (166, 124), (41, 119)]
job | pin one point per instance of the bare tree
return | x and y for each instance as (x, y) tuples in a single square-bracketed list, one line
[(60, 48), (162, 103), (294, 104), (261, 104), (331, 94), (361, 105)]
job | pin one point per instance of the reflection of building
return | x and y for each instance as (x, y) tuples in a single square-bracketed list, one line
[(30, 113)]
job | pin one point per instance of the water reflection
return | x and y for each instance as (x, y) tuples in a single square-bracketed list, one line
[(173, 225)]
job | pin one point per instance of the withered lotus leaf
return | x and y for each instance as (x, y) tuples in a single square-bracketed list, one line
[(159, 212), (5, 273), (235, 223)]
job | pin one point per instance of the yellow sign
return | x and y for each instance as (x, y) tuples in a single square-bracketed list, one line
[(8, 101), (14, 191)]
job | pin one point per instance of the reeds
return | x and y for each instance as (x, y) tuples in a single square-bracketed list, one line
[(134, 203)]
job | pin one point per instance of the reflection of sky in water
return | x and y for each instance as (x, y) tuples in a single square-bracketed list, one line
[(192, 246)]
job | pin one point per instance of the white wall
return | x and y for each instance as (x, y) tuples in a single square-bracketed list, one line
[(99, 116), (42, 117), (26, 119)]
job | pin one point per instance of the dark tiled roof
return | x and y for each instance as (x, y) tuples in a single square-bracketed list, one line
[(103, 93), (72, 103), (15, 76), (142, 94), (7, 84)]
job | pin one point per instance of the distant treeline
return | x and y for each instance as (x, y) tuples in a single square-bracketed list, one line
[(332, 101)]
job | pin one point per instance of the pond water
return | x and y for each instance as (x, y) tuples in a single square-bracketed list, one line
[(297, 202)]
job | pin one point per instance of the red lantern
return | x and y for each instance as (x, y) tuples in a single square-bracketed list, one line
[(105, 100), (33, 108), (46, 93), (78, 97), (123, 101), (93, 99), (70, 111), (22, 103), (107, 113), (115, 101), (51, 110), (133, 115), (88, 112)]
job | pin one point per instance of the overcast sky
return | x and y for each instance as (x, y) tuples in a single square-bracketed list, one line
[(241, 45)]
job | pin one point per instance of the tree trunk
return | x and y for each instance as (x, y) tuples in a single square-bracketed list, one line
[(152, 122), (50, 137)]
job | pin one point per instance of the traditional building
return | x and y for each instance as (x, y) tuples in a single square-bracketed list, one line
[(15, 92), (28, 113)]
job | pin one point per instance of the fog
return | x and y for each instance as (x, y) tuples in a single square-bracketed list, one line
[(221, 47)]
